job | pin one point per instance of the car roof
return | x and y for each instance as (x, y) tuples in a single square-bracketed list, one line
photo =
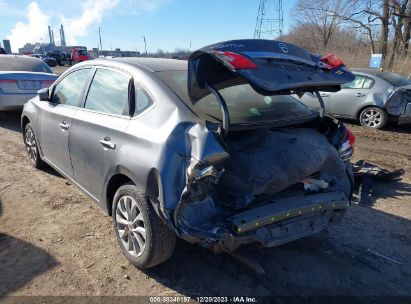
[(153, 64), (374, 72), (18, 58)]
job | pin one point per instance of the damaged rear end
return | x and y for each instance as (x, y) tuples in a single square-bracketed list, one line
[(399, 104), (277, 173)]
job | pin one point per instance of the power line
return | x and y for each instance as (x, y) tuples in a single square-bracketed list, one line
[(269, 23)]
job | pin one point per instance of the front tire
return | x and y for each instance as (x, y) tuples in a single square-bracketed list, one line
[(31, 147), (144, 238), (373, 118)]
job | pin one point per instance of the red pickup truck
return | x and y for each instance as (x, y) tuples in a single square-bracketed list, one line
[(79, 55)]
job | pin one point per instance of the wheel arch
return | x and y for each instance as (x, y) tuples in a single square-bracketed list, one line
[(152, 187), (115, 182), (371, 105), (24, 121)]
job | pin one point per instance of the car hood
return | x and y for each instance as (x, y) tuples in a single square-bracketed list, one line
[(279, 68)]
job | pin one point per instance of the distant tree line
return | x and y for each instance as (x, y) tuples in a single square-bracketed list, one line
[(178, 53), (352, 26)]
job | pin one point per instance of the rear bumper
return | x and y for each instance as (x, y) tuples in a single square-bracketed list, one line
[(14, 101), (285, 231), (278, 222), (406, 117), (286, 208)]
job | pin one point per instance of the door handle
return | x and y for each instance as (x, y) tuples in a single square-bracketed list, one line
[(64, 125), (324, 95), (359, 94), (107, 144)]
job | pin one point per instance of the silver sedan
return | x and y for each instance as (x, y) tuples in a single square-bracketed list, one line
[(373, 98), (20, 79)]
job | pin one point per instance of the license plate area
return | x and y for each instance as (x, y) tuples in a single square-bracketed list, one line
[(29, 85)]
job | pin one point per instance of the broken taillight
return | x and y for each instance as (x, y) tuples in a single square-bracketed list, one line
[(331, 61), (347, 148), (235, 61)]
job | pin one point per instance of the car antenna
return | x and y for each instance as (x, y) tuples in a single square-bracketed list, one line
[(223, 107), (321, 101)]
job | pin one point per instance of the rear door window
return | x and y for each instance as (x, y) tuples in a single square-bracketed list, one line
[(70, 89), (109, 92), (357, 83)]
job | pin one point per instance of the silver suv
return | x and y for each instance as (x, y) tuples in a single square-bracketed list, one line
[(214, 151)]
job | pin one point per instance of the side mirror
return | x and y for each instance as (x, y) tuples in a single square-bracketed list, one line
[(44, 94)]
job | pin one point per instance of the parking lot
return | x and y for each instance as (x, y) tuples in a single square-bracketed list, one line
[(55, 241)]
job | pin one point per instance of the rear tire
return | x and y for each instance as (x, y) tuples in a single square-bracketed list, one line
[(32, 147), (144, 238), (373, 118)]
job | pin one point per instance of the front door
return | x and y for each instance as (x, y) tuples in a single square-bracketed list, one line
[(55, 119)]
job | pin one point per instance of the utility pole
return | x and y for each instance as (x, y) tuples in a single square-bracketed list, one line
[(99, 34), (269, 23), (145, 44)]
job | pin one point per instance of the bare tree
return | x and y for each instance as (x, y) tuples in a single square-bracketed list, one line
[(322, 16), (367, 15)]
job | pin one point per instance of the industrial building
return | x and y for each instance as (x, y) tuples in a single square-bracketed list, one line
[(44, 47), (39, 48), (7, 46)]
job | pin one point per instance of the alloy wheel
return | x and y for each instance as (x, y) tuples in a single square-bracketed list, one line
[(372, 118), (31, 145), (130, 225)]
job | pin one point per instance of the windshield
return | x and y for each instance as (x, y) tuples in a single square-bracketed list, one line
[(244, 104), (82, 52), (394, 79), (23, 64)]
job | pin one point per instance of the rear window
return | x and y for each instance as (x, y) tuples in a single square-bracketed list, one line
[(244, 104), (394, 79), (11, 63)]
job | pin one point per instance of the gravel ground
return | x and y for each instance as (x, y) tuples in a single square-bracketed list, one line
[(55, 241)]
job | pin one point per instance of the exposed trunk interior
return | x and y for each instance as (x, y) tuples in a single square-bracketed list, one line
[(264, 163)]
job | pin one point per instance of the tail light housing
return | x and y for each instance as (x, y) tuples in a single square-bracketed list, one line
[(351, 137), (331, 61), (346, 150), (6, 85), (235, 61), (48, 83)]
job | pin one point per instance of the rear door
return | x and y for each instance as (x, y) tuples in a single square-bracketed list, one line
[(55, 118), (345, 102), (97, 129)]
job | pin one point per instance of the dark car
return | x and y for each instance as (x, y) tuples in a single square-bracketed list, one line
[(51, 62), (2, 51), (373, 98), (214, 151), (58, 56)]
